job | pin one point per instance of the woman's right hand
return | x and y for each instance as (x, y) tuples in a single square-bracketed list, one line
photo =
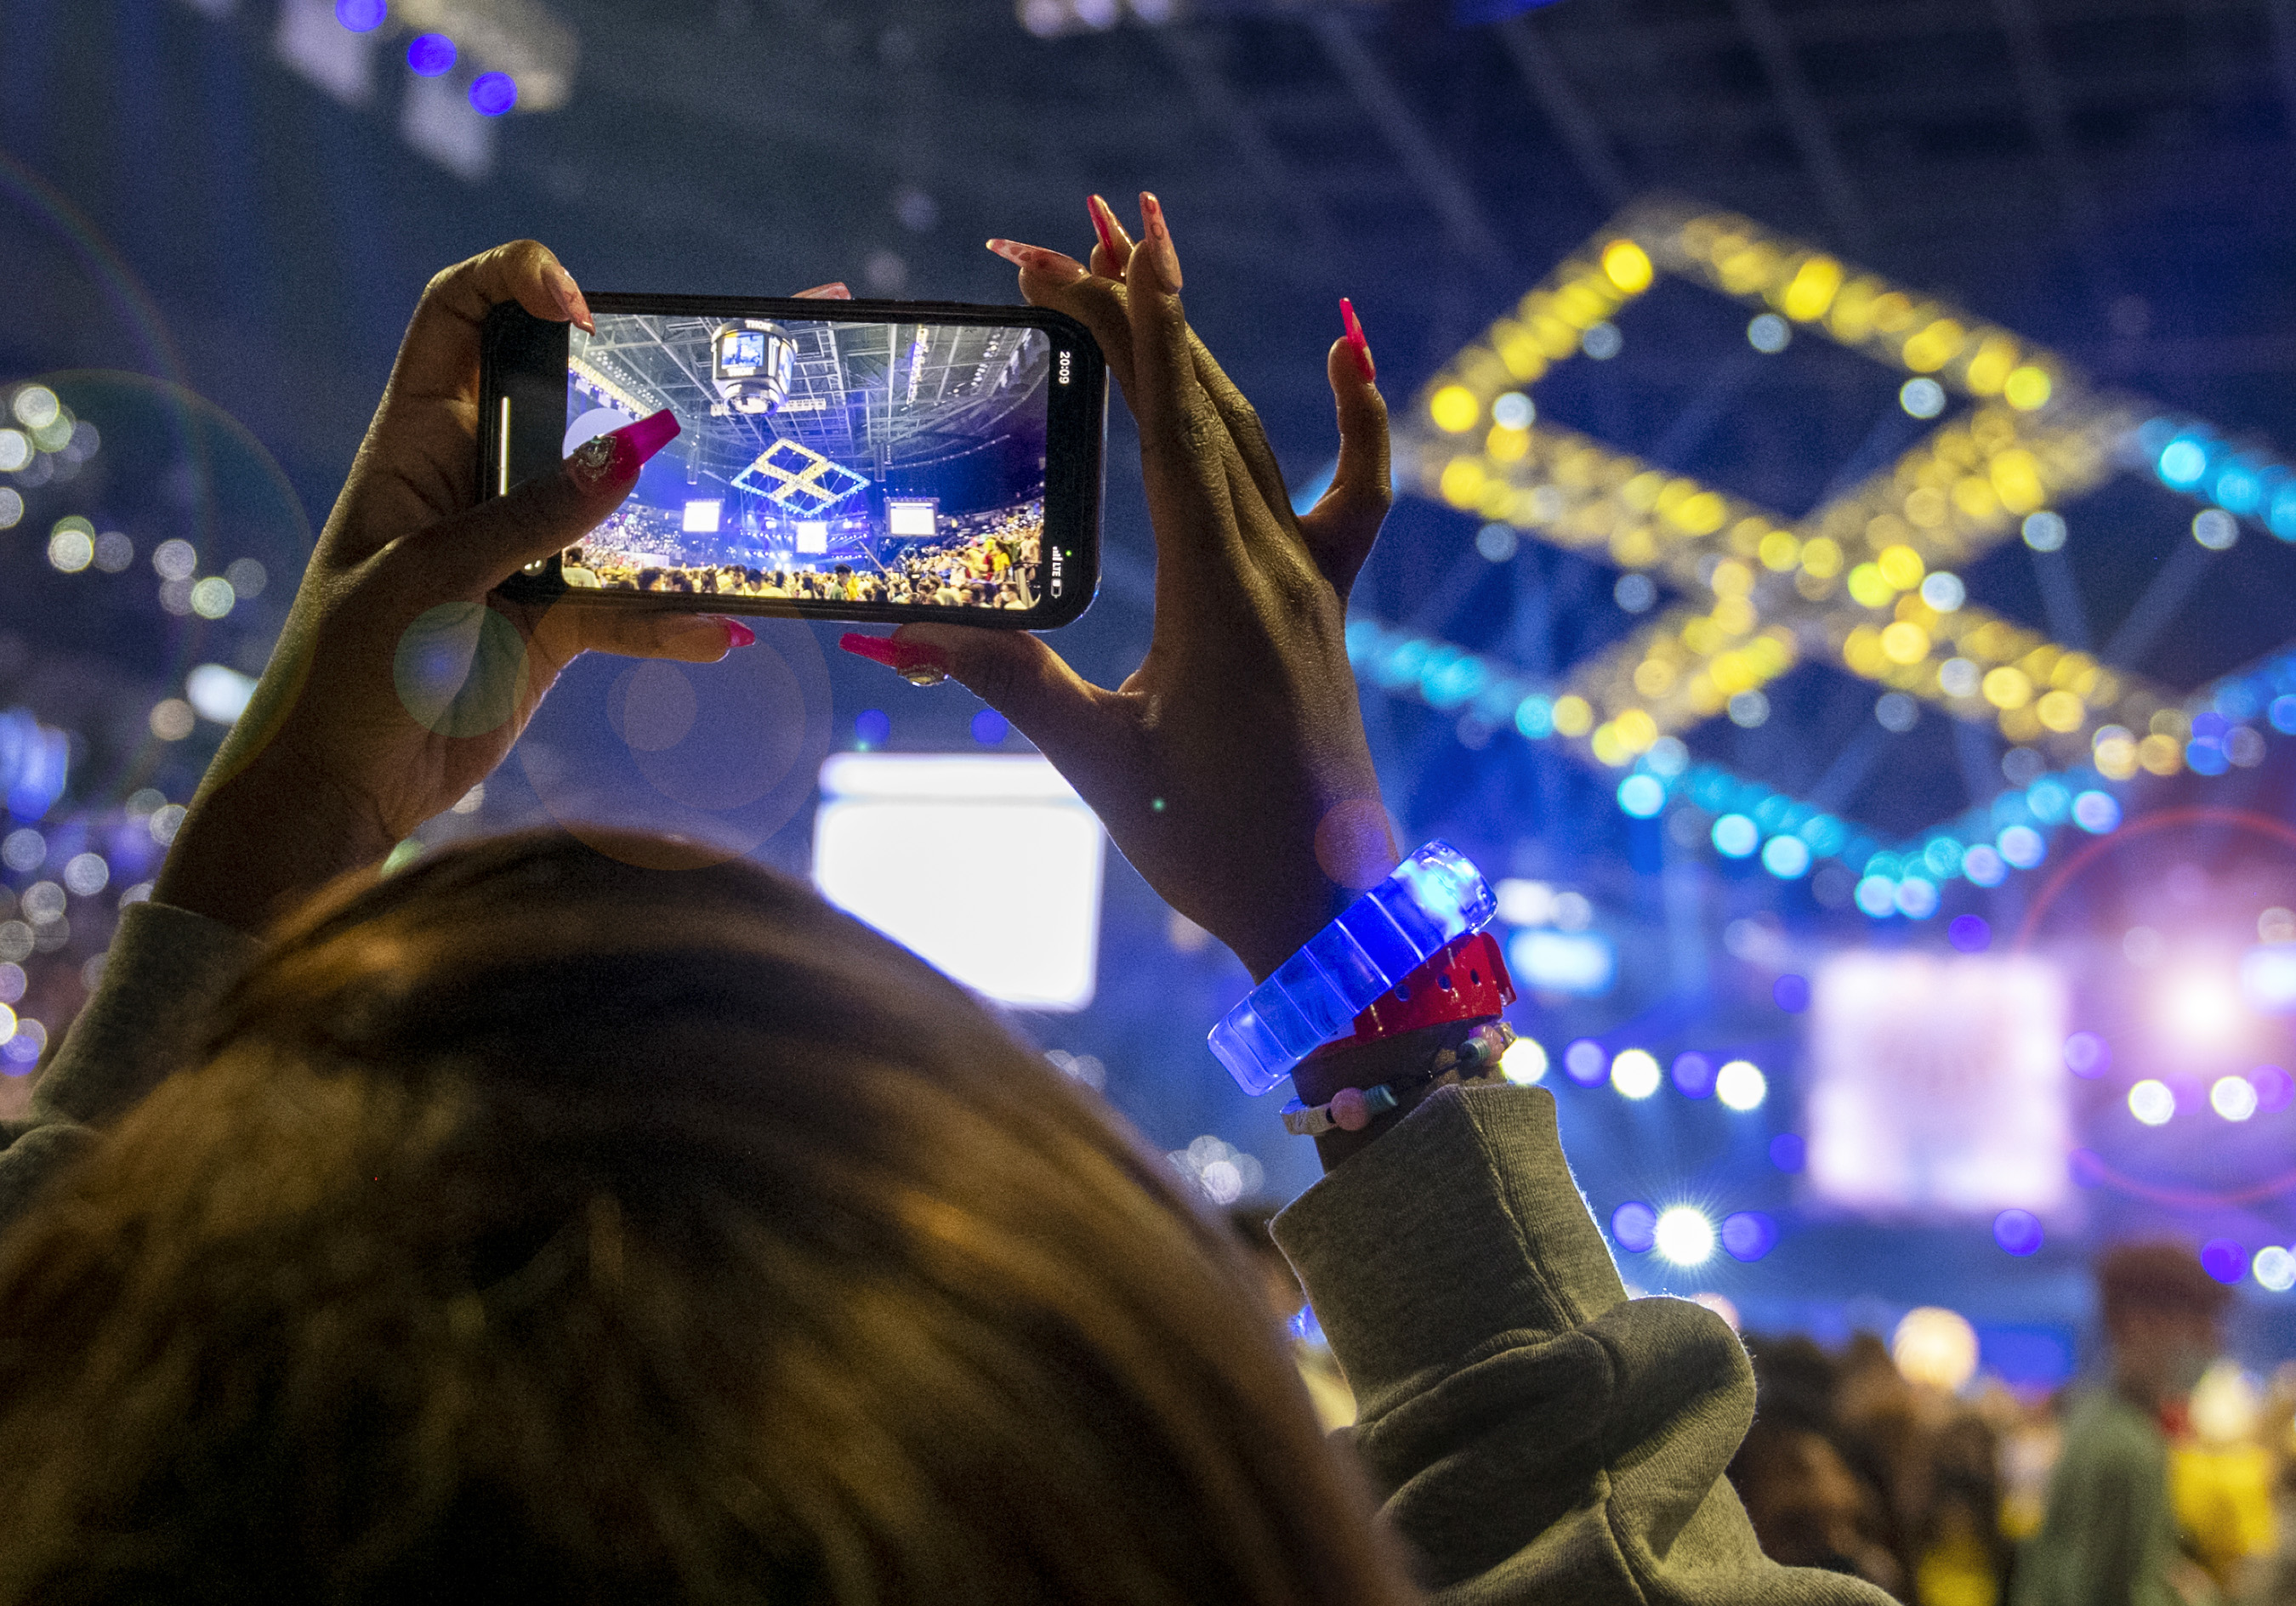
[(1231, 767)]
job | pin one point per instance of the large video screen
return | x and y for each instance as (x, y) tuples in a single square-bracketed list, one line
[(839, 462)]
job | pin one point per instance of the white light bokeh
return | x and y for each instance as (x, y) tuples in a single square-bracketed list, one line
[(1740, 1084), (2151, 1103), (1685, 1237), (1635, 1074)]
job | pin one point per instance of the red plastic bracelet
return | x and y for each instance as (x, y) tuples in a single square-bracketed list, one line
[(1467, 980)]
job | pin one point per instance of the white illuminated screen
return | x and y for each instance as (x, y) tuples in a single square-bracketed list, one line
[(913, 518), (1935, 1085), (813, 536), (988, 868), (702, 518)]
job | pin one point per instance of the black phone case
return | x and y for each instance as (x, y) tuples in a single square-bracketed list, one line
[(522, 360)]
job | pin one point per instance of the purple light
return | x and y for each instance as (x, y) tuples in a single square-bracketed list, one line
[(2224, 1259), (2274, 1086), (1634, 1226), (2087, 1055), (1693, 1075), (1791, 993), (1585, 1063), (872, 728), (990, 727), (494, 92), (1970, 933), (2088, 1168), (2017, 1231), (361, 16), (1789, 1152), (431, 54), (1749, 1236)]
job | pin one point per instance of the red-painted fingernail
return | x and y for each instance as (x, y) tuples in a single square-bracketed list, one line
[(619, 455), (1038, 257), (739, 635), (1356, 338), (835, 291), (1161, 252), (570, 299), (912, 661), (1103, 223)]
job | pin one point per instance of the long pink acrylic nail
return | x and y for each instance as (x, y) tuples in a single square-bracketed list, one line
[(612, 458), (1356, 338), (1162, 252)]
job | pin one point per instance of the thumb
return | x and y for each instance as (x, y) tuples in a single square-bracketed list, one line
[(1012, 672), (1341, 527), (476, 551)]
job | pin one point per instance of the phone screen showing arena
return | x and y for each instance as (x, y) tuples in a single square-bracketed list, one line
[(833, 463)]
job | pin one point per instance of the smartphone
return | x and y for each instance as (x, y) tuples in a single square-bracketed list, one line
[(845, 460)]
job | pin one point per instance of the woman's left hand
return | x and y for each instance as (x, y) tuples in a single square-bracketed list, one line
[(401, 679)]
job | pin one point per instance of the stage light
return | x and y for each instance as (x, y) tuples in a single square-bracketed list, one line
[(361, 16), (1636, 1074), (872, 728), (1769, 333), (1684, 1236), (1786, 857), (2087, 1055), (2233, 1098), (1580, 963), (1496, 542), (2274, 1268), (2200, 1006), (1633, 1227), (212, 598), (219, 692), (1602, 342), (1455, 409), (702, 517), (2183, 462), (1740, 1085), (1789, 1152), (2097, 812), (1877, 896), (1935, 1347), (2224, 1259), (1916, 897), (35, 407), (2045, 531), (988, 867), (432, 55), (2274, 1087), (2018, 1232), (1513, 411), (71, 548), (12, 507), (1735, 836), (494, 94), (1634, 592), (1642, 796), (2151, 1103), (2216, 529), (1921, 397), (1748, 1235), (1628, 266), (1970, 933), (2267, 977), (1693, 1075), (1524, 1063), (1585, 1063), (2021, 846), (1945, 591)]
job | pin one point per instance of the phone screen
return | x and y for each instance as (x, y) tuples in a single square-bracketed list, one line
[(852, 465)]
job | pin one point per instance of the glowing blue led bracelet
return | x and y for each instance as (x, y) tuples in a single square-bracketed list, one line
[(1434, 897)]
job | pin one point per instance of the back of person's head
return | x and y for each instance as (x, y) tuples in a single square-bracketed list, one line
[(2159, 1278), (539, 1224)]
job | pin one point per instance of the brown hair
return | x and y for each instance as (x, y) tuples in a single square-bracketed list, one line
[(541, 1223), (2159, 1276)]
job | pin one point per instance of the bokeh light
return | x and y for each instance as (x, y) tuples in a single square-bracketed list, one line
[(1585, 1063), (2044, 531), (1769, 333), (1634, 1226), (1748, 1235), (1685, 1237), (361, 16), (2274, 1087), (1524, 1063), (2274, 1269), (2151, 1102), (1788, 858), (1923, 397), (990, 727), (2233, 1098), (1790, 1153), (432, 55), (872, 728), (2087, 1055), (1740, 1084), (494, 94), (1735, 836), (1970, 933), (1936, 1348), (1642, 796), (2224, 1259), (1791, 993), (1693, 1075), (2018, 1232), (1635, 1073)]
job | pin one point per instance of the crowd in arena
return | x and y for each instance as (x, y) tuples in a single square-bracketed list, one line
[(991, 565)]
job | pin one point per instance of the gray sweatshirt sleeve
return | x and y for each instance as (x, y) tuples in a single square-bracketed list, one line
[(166, 968), (1536, 1435)]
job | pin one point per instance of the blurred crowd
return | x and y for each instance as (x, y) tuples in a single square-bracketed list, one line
[(2165, 1478)]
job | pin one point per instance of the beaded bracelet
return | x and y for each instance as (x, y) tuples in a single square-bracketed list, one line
[(1353, 1109)]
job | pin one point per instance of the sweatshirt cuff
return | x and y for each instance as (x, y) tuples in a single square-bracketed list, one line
[(167, 968), (1459, 1232)]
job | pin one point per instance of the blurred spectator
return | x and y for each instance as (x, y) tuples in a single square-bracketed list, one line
[(1809, 1505), (2110, 1535), (1287, 1306)]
